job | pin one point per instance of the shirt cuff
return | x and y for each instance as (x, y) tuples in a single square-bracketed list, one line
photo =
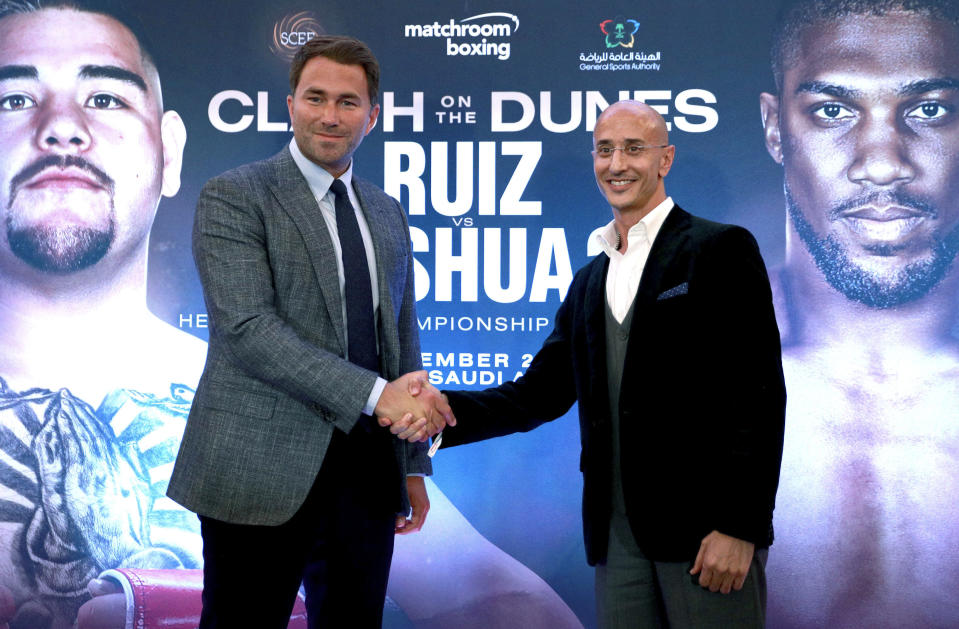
[(374, 398)]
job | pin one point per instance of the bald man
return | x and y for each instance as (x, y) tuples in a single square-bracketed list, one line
[(669, 344)]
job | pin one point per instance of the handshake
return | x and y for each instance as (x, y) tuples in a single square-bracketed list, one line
[(413, 409)]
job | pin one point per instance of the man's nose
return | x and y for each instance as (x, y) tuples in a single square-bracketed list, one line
[(618, 161), (882, 152), (62, 127), (329, 114)]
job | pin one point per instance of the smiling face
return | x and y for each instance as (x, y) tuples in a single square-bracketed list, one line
[(632, 184), (331, 112), (867, 130), (83, 151)]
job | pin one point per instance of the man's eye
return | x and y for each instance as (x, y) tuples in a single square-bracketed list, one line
[(928, 111), (634, 149), (832, 111), (105, 101), (605, 151), (15, 102)]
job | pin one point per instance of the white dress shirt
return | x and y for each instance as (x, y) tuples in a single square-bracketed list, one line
[(320, 181), (626, 268)]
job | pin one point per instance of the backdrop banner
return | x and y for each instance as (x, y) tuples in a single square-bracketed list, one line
[(485, 136)]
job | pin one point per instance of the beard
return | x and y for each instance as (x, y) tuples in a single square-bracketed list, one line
[(876, 290), (60, 249)]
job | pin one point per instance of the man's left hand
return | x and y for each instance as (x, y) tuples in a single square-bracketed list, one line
[(723, 562), (416, 487)]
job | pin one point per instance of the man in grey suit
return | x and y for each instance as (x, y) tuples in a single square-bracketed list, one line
[(308, 280)]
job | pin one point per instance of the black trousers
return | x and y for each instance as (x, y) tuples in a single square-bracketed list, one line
[(339, 544)]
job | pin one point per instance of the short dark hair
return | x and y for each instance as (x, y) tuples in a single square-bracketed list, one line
[(114, 9), (796, 15), (341, 49)]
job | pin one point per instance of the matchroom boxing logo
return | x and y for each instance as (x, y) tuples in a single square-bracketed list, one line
[(293, 31), (484, 35)]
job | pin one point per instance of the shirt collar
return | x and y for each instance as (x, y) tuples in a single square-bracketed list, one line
[(318, 178), (647, 227)]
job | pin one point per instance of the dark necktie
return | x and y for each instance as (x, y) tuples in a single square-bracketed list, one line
[(360, 326)]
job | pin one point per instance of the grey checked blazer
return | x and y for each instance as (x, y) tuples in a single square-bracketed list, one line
[(276, 385)]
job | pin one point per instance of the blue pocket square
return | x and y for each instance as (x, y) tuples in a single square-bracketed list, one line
[(680, 289)]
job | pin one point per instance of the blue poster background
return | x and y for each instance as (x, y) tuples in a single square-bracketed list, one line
[(522, 492), (223, 67)]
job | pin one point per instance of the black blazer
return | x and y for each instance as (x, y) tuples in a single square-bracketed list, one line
[(702, 405)]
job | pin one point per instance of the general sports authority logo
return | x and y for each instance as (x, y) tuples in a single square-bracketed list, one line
[(619, 32)]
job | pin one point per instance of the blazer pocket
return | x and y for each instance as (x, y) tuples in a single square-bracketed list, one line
[(236, 401), (675, 291)]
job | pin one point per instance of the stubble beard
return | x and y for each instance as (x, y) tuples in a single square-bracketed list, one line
[(60, 249), (875, 290)]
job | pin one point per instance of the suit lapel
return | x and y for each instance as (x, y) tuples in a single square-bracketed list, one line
[(294, 196), (670, 241)]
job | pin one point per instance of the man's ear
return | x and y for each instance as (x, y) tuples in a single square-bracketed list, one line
[(173, 136), (769, 108), (374, 116), (666, 161)]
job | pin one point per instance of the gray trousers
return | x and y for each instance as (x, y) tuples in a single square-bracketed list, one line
[(633, 592)]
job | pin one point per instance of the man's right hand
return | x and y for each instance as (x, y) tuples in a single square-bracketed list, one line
[(413, 409)]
